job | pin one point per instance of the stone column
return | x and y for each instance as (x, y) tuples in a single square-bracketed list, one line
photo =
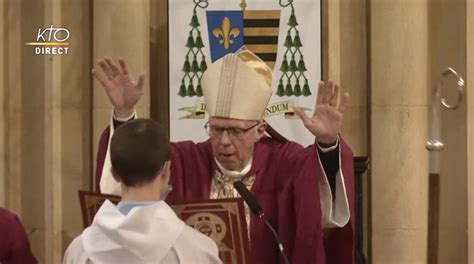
[(46, 151), (331, 40), (344, 53), (11, 83), (121, 28), (159, 92), (76, 113), (353, 73), (399, 122), (53, 149)]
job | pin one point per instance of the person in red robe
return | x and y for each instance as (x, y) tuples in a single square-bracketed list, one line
[(307, 194), (14, 244)]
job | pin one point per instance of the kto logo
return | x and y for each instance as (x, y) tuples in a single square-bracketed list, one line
[(51, 41)]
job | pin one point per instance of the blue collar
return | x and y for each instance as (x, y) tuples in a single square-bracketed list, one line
[(126, 207)]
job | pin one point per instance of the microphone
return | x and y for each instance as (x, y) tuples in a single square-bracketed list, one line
[(257, 210)]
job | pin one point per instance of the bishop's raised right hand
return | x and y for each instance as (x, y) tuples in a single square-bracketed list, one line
[(123, 92)]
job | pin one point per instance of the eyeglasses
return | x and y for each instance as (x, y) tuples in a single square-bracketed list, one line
[(233, 132)]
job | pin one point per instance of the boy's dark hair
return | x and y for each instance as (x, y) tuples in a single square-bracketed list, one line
[(138, 150)]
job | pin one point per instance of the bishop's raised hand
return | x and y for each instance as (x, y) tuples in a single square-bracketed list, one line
[(122, 90), (326, 122)]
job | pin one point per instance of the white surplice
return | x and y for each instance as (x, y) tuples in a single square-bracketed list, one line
[(147, 234)]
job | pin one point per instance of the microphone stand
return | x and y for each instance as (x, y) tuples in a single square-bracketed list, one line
[(261, 215), (257, 210)]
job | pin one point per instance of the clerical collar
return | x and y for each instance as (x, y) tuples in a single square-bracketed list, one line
[(235, 174)]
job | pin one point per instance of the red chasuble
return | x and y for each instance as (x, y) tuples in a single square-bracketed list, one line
[(14, 245), (287, 188)]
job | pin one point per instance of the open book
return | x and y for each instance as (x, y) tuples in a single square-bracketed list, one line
[(223, 220)]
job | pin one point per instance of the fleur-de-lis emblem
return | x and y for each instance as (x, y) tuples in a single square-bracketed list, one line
[(226, 33)]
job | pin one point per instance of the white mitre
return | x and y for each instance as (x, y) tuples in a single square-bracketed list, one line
[(238, 85)]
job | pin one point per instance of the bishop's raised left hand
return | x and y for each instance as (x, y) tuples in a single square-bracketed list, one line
[(326, 122)]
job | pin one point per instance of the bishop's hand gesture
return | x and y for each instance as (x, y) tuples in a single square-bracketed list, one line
[(123, 92), (326, 122)]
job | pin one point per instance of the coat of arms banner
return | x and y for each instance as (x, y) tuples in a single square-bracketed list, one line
[(286, 34)]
